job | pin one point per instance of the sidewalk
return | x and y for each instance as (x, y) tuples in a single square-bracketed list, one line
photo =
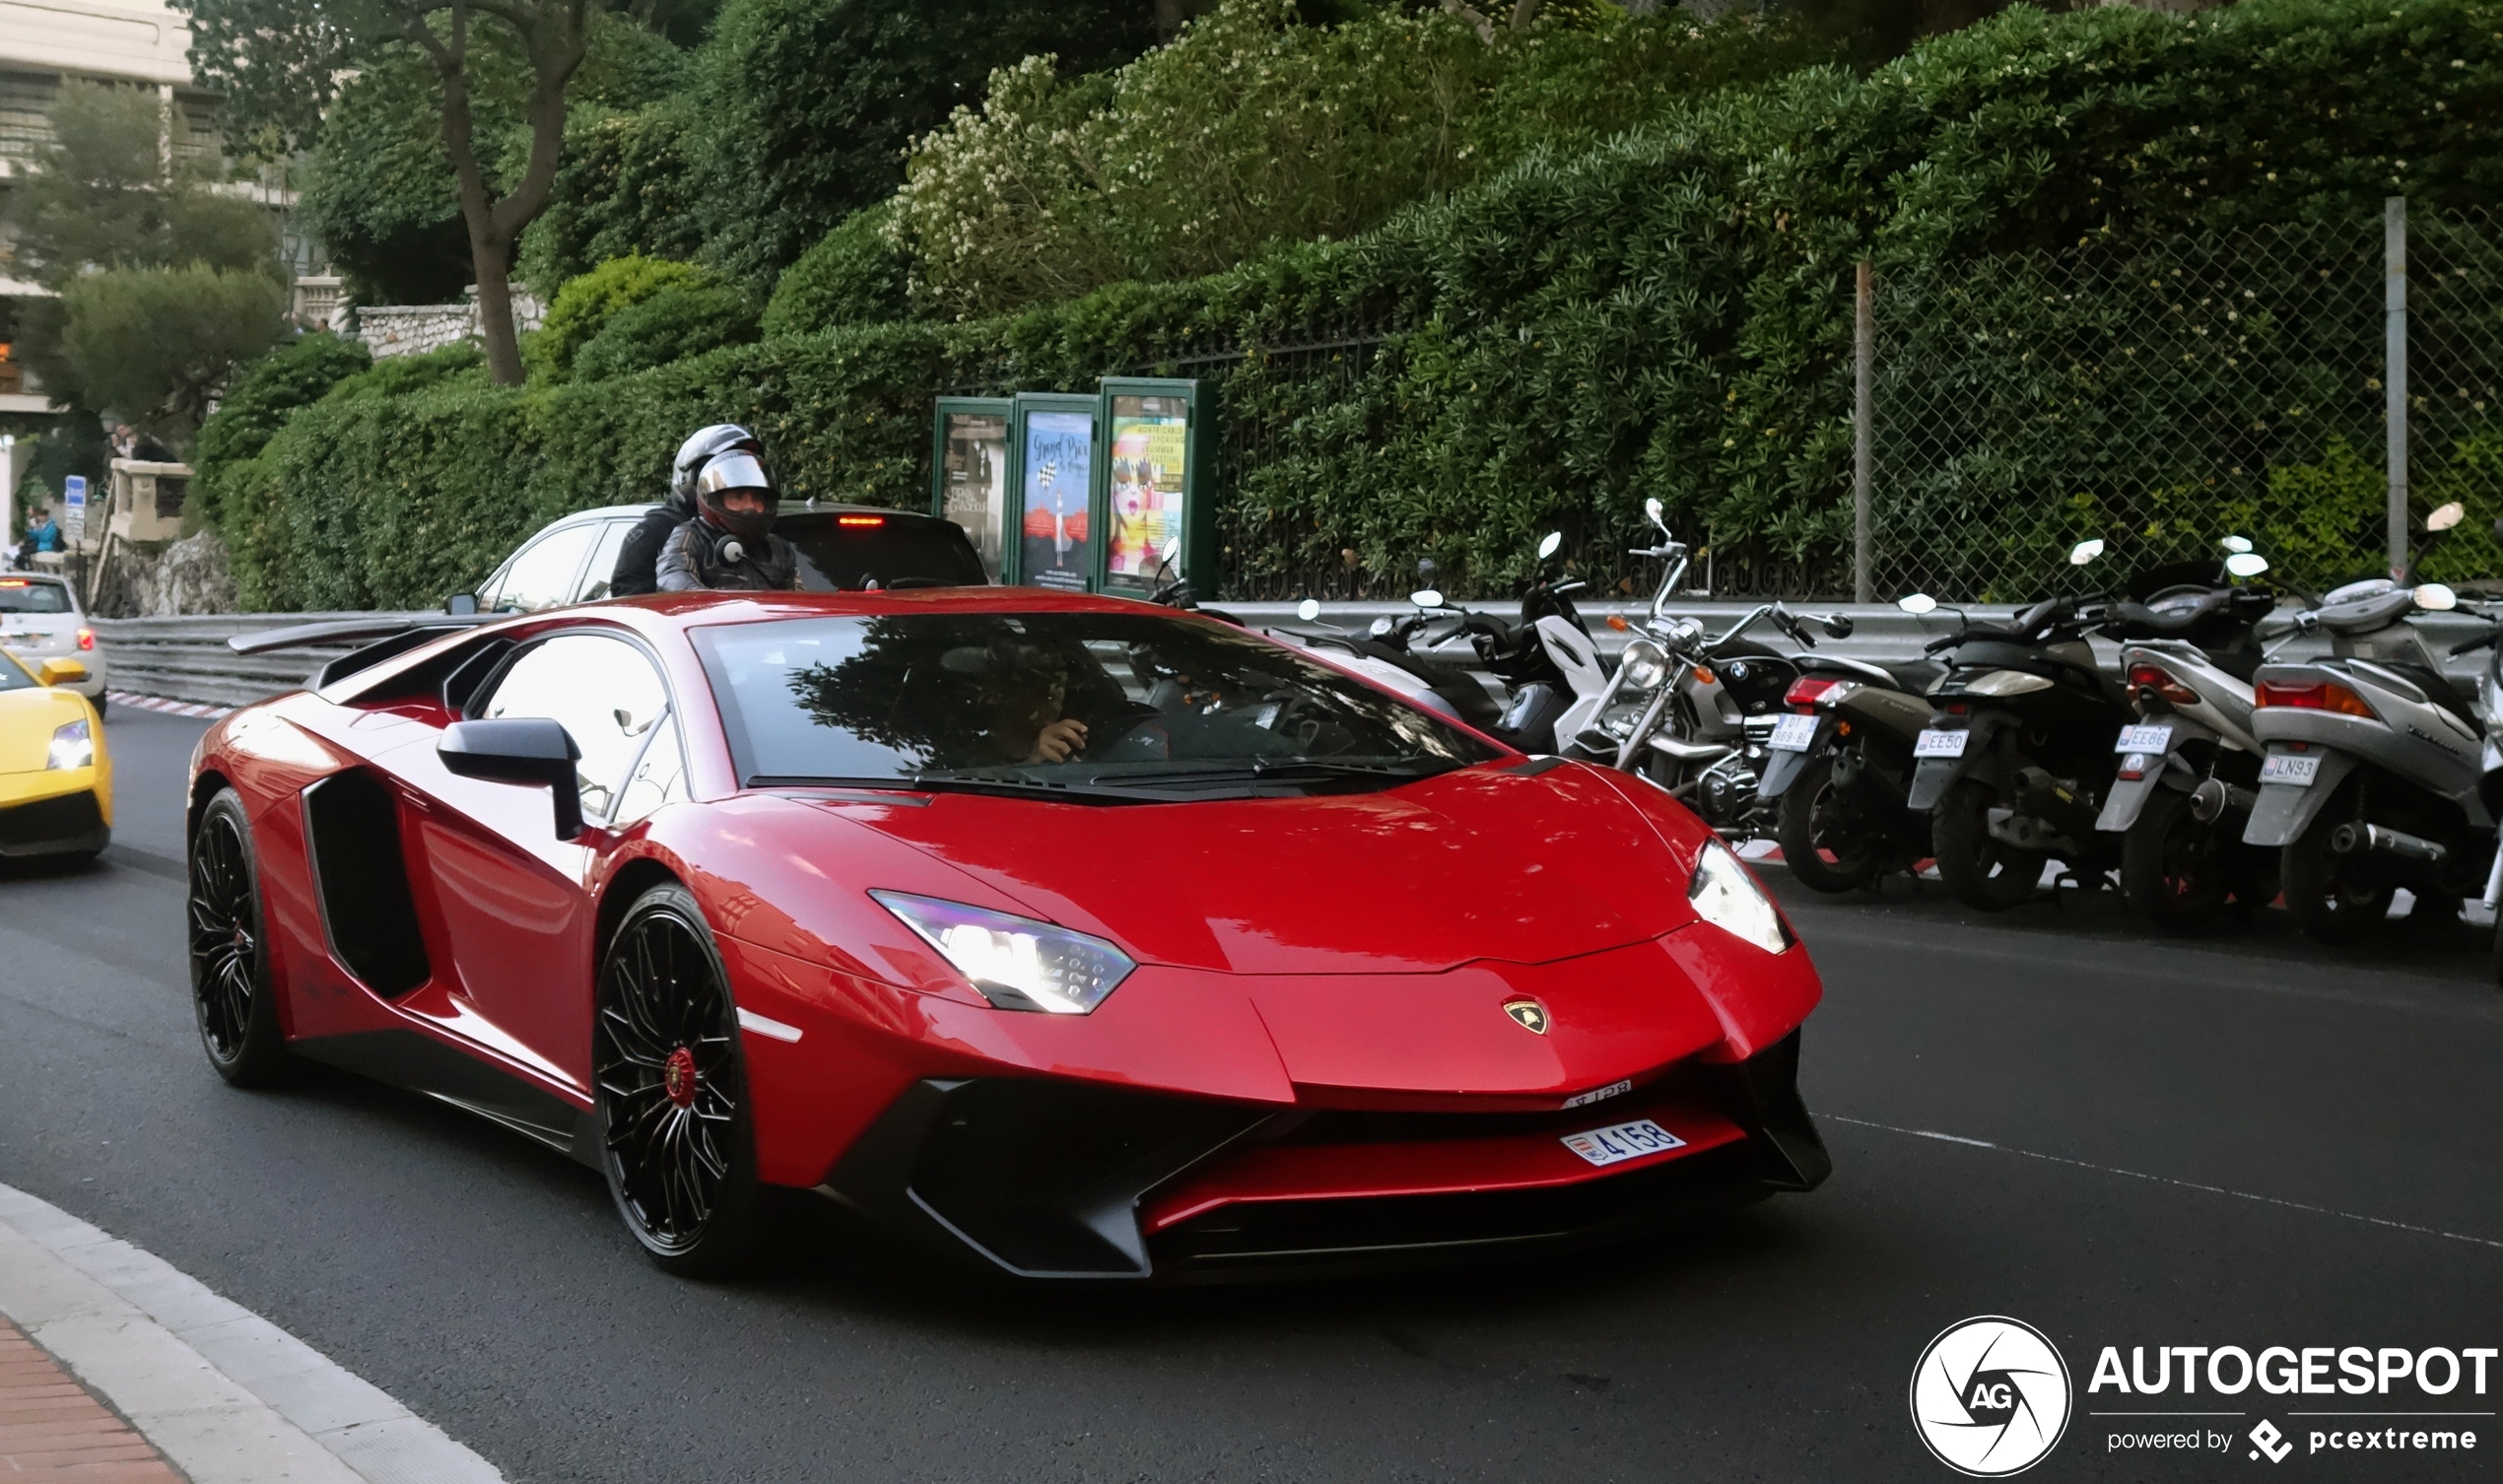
[(116, 1367), (53, 1428)]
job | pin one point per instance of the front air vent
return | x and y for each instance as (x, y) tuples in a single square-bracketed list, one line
[(352, 824)]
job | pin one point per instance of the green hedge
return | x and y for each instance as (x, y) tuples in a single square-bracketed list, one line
[(1666, 314)]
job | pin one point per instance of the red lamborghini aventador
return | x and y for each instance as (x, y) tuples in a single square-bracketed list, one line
[(1082, 938)]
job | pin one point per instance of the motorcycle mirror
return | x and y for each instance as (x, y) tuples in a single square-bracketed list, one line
[(2435, 598), (2237, 543), (1308, 609), (1379, 627), (1918, 604), (1550, 544), (2084, 552), (1652, 509), (2246, 564), (1426, 597), (1173, 551), (1839, 625), (2446, 517)]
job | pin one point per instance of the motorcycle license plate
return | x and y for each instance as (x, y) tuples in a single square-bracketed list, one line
[(2289, 768), (1939, 744), (2155, 741), (1793, 733), (1623, 1141)]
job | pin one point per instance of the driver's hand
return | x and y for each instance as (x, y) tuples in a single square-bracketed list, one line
[(1058, 742)]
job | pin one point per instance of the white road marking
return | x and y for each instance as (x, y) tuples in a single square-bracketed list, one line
[(220, 1391), (2166, 1179)]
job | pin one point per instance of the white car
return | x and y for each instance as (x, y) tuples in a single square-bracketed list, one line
[(41, 620)]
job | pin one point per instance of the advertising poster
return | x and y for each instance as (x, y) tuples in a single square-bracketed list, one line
[(976, 466), (1058, 474), (1150, 443)]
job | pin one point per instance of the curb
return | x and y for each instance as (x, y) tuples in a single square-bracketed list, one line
[(221, 1392), (170, 707)]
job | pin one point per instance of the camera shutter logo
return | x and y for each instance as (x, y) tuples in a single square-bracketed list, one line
[(1990, 1396)]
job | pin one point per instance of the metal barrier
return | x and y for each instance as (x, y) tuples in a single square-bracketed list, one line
[(187, 659)]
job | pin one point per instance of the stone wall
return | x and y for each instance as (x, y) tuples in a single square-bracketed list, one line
[(190, 576), (415, 329)]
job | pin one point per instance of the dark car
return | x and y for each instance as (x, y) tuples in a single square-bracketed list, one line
[(843, 548)]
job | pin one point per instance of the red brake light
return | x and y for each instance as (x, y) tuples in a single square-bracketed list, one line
[(2326, 695), (86, 639), (861, 521), (2144, 676), (1805, 690)]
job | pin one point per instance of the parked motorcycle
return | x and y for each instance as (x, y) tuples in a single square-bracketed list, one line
[(2189, 765), (2017, 757), (1696, 712), (2371, 778)]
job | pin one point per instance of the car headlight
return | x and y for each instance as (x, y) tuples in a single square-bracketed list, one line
[(1727, 896), (1645, 666), (1017, 963), (72, 746)]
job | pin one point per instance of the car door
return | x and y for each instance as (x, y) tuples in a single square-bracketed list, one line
[(511, 895)]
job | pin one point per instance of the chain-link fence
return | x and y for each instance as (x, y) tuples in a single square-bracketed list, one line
[(2163, 395)]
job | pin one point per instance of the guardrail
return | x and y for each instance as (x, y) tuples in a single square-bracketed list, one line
[(187, 658)]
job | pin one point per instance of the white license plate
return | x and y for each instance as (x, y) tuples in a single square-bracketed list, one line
[(1622, 1141), (1793, 733), (2155, 741), (2290, 768), (1939, 744)]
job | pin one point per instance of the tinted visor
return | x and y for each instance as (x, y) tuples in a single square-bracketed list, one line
[(734, 471)]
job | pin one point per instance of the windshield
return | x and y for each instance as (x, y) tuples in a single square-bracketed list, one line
[(846, 552), (1100, 705), (26, 596), (13, 675)]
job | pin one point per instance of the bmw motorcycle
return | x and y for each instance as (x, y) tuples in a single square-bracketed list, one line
[(2017, 757), (2190, 764)]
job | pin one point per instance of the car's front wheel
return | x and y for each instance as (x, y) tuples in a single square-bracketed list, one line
[(231, 995), (678, 1145)]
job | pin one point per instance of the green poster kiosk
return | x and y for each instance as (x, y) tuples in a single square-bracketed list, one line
[(969, 473), (1052, 466), (1156, 483)]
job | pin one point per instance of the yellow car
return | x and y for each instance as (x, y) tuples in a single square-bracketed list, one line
[(56, 781)]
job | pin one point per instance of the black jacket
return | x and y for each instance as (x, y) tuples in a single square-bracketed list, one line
[(639, 557)]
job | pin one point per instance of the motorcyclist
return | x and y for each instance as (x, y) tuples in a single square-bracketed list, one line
[(637, 567), (730, 542)]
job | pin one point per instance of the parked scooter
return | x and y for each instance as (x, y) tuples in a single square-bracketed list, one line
[(1548, 662), (2374, 759), (1842, 768), (2190, 765), (1695, 713), (2017, 757)]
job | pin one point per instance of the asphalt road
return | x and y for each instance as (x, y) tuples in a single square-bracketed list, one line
[(2243, 1141)]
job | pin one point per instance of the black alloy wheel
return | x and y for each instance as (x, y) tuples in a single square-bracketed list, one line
[(1824, 841), (677, 1142), (2335, 899), (1979, 870), (2176, 871), (231, 993)]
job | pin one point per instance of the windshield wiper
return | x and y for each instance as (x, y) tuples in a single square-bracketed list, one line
[(1303, 770)]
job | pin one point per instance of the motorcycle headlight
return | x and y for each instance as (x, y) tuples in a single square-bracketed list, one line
[(2006, 682), (1645, 666), (1017, 963), (72, 746), (1727, 896)]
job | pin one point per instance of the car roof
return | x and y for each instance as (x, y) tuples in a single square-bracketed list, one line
[(789, 509)]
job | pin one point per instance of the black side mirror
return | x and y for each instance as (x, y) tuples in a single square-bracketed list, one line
[(519, 750), (1837, 626), (462, 604)]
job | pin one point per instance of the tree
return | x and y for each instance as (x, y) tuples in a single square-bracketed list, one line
[(155, 343), (280, 63)]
